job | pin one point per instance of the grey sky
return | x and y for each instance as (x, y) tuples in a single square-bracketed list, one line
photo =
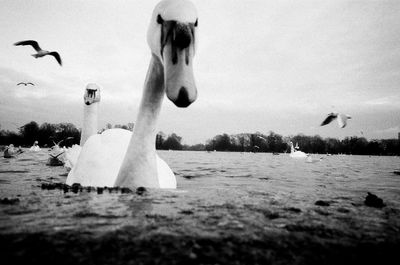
[(260, 65)]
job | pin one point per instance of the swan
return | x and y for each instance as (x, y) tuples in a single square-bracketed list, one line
[(91, 100), (118, 157), (40, 52), (35, 147), (341, 119), (295, 153), (11, 151)]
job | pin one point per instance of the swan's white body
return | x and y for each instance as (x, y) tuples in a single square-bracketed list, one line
[(296, 154), (120, 158), (35, 147), (71, 155), (101, 157)]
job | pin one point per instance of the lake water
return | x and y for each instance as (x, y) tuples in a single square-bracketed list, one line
[(220, 195)]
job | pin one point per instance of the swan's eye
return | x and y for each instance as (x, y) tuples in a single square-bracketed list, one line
[(196, 23), (159, 19)]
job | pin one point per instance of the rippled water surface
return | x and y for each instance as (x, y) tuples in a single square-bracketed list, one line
[(217, 193)]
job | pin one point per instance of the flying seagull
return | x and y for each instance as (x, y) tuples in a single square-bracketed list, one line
[(25, 84), (341, 119), (40, 52), (68, 138)]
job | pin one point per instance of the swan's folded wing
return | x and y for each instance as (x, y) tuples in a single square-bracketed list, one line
[(100, 159), (166, 177)]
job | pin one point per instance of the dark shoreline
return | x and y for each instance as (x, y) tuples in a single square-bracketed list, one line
[(128, 246)]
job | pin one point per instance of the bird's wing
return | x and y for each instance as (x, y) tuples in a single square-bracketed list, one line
[(31, 83), (58, 155), (20, 84), (68, 138), (33, 43), (342, 120), (329, 119), (57, 56)]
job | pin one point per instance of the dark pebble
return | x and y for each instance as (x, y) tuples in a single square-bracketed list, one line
[(374, 201), (141, 191), (48, 186), (294, 209), (9, 201), (396, 172), (188, 212), (76, 187), (322, 203), (99, 190)]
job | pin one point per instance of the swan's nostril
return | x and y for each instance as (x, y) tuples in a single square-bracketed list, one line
[(183, 98)]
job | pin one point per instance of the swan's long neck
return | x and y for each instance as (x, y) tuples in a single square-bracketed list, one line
[(90, 121), (139, 167), (150, 106)]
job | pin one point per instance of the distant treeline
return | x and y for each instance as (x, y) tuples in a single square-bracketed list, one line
[(47, 134), (258, 142)]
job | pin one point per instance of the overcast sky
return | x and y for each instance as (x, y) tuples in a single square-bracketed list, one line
[(262, 65)]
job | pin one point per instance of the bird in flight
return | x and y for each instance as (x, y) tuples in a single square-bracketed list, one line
[(341, 119), (25, 84), (40, 52)]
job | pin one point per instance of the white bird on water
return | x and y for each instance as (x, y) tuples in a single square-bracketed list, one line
[(341, 119), (295, 153), (118, 157), (40, 52), (91, 100)]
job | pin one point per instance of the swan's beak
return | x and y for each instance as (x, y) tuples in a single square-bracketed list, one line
[(177, 53)]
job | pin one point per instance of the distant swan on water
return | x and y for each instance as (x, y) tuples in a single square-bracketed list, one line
[(40, 52), (295, 153), (118, 157), (11, 151), (35, 147), (91, 101)]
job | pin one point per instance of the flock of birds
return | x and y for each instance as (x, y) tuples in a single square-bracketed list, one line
[(119, 157)]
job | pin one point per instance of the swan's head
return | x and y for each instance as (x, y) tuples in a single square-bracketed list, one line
[(172, 38), (92, 94)]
